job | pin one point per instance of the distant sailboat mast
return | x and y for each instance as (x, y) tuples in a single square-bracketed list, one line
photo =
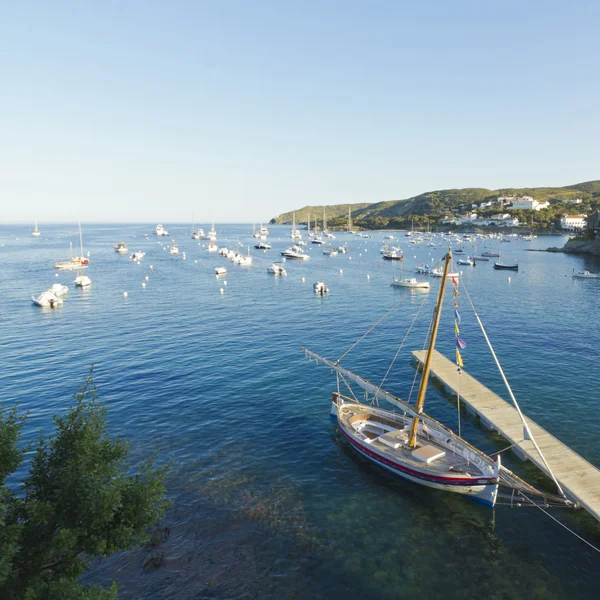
[(349, 219)]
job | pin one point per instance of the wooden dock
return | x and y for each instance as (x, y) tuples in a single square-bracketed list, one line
[(579, 479)]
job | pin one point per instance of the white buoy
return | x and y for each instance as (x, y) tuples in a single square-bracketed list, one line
[(222, 291), (143, 285), (125, 294), (303, 280), (224, 283), (195, 262), (55, 274), (368, 276), (341, 271), (509, 280), (147, 278), (349, 258), (151, 267)]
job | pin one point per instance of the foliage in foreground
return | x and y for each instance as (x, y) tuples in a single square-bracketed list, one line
[(80, 500)]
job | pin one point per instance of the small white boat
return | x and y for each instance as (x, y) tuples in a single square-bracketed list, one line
[(276, 268), (320, 288), (137, 255), (36, 231), (59, 290), (220, 270), (423, 269), (47, 300), (465, 261), (410, 283), (586, 275), (174, 249), (160, 231), (317, 240), (296, 253), (263, 246), (82, 281), (223, 251), (490, 254), (330, 251), (120, 247), (198, 234), (212, 247), (440, 273), (343, 249), (481, 258)]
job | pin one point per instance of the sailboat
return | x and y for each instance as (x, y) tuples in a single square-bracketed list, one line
[(74, 262), (416, 447), (36, 231), (326, 232), (349, 230), (409, 282), (295, 234)]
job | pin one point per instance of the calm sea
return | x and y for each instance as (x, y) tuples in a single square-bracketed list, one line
[(268, 502)]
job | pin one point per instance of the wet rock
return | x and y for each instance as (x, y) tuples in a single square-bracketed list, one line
[(157, 536), (153, 561)]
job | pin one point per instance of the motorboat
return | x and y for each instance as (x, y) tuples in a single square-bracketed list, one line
[(491, 254), (423, 269), (47, 299), (465, 261), (137, 255), (82, 281), (343, 249), (174, 249), (212, 247), (317, 240), (263, 246), (504, 267), (295, 252), (330, 251), (220, 270), (410, 282), (121, 247), (161, 231), (586, 275), (276, 268), (320, 288), (481, 258), (393, 256), (59, 290)]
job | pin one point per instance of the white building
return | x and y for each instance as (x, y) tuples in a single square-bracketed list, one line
[(528, 203), (572, 201), (573, 222)]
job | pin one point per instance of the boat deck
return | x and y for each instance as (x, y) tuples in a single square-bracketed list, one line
[(579, 479)]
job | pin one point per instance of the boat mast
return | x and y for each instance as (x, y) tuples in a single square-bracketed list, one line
[(349, 219), (423, 387), (80, 241), (324, 220)]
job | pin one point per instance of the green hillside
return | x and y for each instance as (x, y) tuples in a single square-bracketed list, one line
[(429, 208)]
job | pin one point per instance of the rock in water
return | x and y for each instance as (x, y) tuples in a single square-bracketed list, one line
[(153, 561)]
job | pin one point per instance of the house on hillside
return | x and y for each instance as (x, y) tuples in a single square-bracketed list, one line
[(573, 222), (571, 201), (528, 203)]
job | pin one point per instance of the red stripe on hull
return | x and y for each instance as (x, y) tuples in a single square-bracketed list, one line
[(418, 474)]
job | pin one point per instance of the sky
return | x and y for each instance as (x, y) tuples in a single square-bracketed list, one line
[(238, 110)]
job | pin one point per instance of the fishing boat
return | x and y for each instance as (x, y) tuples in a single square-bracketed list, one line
[(586, 275), (36, 231), (410, 282), (295, 252), (74, 262), (276, 268), (505, 267), (408, 443), (320, 288), (121, 247)]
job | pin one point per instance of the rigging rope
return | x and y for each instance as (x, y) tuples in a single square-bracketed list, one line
[(561, 524), (516, 404), (401, 344), (362, 337)]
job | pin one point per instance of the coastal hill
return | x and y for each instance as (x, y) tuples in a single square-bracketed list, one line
[(435, 205)]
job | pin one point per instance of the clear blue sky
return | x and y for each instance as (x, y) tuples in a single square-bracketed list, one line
[(239, 110)]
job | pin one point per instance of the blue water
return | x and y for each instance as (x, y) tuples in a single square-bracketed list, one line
[(268, 502)]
